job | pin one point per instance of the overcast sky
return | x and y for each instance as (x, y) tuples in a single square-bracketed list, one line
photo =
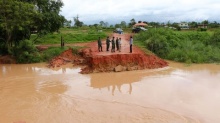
[(115, 11)]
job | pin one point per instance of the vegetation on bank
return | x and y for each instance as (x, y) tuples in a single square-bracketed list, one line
[(69, 35), (20, 18), (187, 46), (26, 52)]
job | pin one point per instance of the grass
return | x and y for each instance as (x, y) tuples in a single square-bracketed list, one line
[(26, 52), (182, 46), (142, 46), (52, 52), (70, 36)]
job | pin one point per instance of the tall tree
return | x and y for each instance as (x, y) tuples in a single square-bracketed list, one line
[(214, 24), (48, 19), (67, 23), (154, 24), (78, 23), (205, 22), (106, 24), (132, 22), (117, 25), (193, 24), (102, 23), (19, 17), (123, 24), (16, 19)]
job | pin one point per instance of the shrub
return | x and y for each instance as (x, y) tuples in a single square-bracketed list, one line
[(26, 52), (215, 38), (158, 44), (52, 52), (201, 29), (187, 46), (3, 48)]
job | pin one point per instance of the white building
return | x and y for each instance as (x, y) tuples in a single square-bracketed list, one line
[(183, 25)]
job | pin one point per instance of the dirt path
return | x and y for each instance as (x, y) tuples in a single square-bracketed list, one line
[(94, 47), (125, 46)]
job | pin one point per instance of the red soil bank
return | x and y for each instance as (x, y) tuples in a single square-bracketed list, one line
[(122, 62), (7, 60), (63, 58)]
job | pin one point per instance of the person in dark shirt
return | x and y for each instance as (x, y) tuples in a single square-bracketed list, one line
[(107, 43), (131, 43), (113, 44), (99, 44), (117, 45)]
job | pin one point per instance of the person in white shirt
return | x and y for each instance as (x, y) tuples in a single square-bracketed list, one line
[(119, 42)]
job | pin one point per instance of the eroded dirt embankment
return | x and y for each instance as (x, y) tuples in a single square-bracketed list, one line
[(121, 62), (65, 57)]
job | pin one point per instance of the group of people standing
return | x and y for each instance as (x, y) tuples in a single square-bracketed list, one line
[(115, 43)]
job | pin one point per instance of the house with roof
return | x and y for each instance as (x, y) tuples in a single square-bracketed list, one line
[(140, 25), (205, 26), (183, 25)]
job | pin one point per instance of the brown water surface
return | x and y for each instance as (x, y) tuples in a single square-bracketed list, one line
[(33, 93)]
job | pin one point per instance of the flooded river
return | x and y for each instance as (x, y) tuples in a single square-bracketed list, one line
[(33, 93)]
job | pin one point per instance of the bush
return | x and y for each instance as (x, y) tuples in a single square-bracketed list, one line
[(3, 50), (188, 47), (201, 29), (51, 52), (215, 38), (158, 44), (26, 52)]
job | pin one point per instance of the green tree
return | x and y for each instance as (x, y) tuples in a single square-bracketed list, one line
[(16, 19), (78, 23), (193, 24), (123, 24), (117, 25), (214, 25), (132, 22), (48, 20), (106, 24), (205, 22), (102, 23), (67, 23), (154, 24), (19, 17)]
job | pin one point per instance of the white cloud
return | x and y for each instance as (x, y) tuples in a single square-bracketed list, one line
[(115, 11)]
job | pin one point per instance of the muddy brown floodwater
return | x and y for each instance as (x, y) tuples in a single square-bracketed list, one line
[(33, 93)]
